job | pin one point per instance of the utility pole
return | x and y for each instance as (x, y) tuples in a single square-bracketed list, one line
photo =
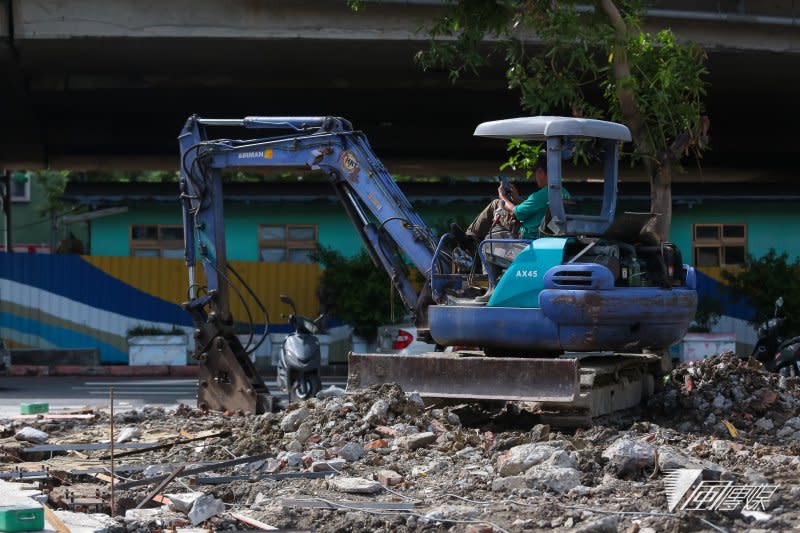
[(5, 180)]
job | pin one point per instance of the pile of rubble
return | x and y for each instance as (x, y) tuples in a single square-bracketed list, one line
[(381, 460), (725, 394)]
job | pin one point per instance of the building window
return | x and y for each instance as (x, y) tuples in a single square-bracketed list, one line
[(289, 243), (20, 187), (719, 245), (157, 240)]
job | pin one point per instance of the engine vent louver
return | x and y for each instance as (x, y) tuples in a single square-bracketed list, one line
[(573, 278)]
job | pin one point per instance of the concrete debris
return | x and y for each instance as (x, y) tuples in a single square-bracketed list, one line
[(629, 456), (29, 434), (331, 392), (183, 501), (520, 458), (292, 419), (547, 476), (391, 452), (204, 508), (671, 459), (377, 413), (503, 484), (330, 465), (609, 524), (355, 485), (128, 434), (540, 432), (764, 423), (156, 470), (351, 452), (304, 432), (389, 478), (459, 512), (793, 423), (433, 467), (721, 447), (479, 528), (88, 522), (141, 515), (415, 398), (758, 516), (418, 440)]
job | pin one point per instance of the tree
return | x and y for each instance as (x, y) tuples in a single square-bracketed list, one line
[(762, 280), (356, 292), (53, 183), (593, 63)]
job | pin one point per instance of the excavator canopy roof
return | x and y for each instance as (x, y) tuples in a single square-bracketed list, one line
[(539, 128)]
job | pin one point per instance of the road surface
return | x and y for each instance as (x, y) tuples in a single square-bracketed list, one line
[(129, 393)]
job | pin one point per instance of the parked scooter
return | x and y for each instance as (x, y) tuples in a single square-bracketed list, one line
[(776, 353), (299, 363)]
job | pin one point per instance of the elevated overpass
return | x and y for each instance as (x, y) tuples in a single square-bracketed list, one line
[(108, 83)]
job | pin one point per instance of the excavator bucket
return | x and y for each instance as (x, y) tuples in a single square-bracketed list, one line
[(453, 375)]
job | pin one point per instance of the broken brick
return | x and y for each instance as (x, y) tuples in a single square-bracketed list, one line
[(376, 444), (386, 431)]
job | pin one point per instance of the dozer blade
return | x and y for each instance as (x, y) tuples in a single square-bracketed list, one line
[(444, 375)]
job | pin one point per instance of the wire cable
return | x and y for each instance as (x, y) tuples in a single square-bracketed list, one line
[(258, 302), (42, 220), (241, 299)]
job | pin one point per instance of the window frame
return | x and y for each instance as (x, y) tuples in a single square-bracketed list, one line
[(286, 244), (720, 243), (25, 198), (154, 244)]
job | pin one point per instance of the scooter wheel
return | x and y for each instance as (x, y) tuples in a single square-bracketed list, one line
[(305, 387)]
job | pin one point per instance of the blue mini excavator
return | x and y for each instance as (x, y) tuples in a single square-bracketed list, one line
[(570, 319)]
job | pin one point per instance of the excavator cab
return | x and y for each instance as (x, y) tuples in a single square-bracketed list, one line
[(563, 218)]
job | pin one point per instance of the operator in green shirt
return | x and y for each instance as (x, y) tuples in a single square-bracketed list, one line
[(507, 216)]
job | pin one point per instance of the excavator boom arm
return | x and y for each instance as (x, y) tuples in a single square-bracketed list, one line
[(382, 215)]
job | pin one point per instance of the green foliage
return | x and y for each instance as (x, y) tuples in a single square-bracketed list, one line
[(667, 84), (354, 290), (523, 156), (763, 280), (709, 311), (52, 183), (577, 61), (132, 176)]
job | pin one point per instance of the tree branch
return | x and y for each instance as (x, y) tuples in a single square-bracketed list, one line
[(696, 137), (622, 73)]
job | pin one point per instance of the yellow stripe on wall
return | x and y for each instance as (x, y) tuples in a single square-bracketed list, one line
[(167, 279), (716, 272)]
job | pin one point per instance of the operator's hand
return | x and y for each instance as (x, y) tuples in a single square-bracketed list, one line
[(501, 193), (505, 202), (512, 196)]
